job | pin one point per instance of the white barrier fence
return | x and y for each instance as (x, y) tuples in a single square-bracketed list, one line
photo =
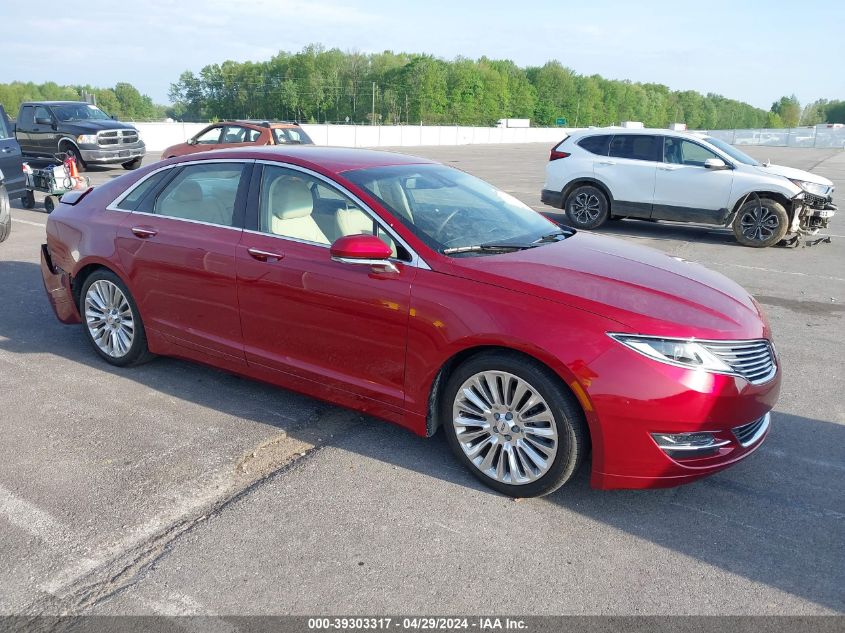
[(160, 135)]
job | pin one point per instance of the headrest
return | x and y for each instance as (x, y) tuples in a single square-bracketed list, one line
[(290, 198), (188, 191)]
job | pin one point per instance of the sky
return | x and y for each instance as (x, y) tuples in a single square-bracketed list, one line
[(753, 51)]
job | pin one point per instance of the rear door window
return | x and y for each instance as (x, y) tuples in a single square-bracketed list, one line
[(636, 147), (133, 201), (596, 144), (202, 193)]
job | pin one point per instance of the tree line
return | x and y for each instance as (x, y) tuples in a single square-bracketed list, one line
[(329, 85), (123, 101)]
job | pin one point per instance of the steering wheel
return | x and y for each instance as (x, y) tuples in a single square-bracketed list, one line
[(448, 219)]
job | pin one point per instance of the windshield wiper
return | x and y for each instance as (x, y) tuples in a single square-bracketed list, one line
[(479, 248), (552, 237)]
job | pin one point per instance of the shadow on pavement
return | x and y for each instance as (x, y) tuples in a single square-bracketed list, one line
[(778, 518)]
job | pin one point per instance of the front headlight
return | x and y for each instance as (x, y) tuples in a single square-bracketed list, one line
[(87, 139), (811, 187), (680, 352)]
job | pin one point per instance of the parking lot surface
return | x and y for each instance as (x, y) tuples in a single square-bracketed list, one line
[(172, 488)]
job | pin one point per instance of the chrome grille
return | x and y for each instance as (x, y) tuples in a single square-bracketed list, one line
[(749, 433), (753, 360), (111, 138)]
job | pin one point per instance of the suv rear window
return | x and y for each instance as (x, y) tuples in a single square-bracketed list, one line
[(596, 144), (636, 147), (291, 136)]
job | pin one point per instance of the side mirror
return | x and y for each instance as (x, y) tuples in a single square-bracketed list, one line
[(366, 250), (43, 120), (715, 164), (191, 141)]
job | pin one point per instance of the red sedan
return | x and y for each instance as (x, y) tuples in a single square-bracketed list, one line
[(419, 294)]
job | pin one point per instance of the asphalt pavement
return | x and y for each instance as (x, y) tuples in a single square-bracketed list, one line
[(176, 489)]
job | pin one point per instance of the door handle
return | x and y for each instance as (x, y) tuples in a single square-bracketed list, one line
[(606, 162), (6, 150), (264, 256), (669, 167), (144, 232)]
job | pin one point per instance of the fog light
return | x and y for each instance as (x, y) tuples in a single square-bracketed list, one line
[(688, 445)]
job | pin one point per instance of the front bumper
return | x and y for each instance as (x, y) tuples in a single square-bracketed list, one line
[(57, 285), (122, 154), (670, 400)]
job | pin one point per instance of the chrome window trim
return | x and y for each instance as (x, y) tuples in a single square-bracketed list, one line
[(416, 260)]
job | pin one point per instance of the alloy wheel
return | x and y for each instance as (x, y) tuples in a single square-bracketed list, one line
[(109, 318), (505, 427), (759, 223), (585, 208)]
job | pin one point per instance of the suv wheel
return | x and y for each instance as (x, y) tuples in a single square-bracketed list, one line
[(586, 207), (132, 164), (760, 222)]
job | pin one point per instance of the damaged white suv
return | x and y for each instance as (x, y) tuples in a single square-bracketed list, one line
[(611, 173)]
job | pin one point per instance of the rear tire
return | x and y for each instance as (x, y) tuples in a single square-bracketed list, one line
[(760, 222), (524, 435), (132, 164), (5, 214), (586, 207), (112, 321)]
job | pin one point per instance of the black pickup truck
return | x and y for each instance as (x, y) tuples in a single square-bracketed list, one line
[(45, 128)]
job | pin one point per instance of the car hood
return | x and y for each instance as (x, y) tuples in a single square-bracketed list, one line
[(794, 174), (95, 125), (642, 289)]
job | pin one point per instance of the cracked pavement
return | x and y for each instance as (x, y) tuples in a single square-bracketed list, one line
[(177, 489)]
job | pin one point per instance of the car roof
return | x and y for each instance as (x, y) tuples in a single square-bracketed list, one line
[(52, 103), (642, 130), (334, 159), (256, 123)]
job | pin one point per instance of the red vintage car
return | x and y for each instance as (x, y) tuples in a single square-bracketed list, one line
[(422, 295)]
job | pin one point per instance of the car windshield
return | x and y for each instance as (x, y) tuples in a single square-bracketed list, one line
[(731, 151), (79, 112), (290, 136), (450, 210)]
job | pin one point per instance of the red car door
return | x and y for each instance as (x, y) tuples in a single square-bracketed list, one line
[(342, 325), (178, 249)]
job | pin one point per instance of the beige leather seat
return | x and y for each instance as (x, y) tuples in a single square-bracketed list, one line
[(187, 201), (392, 193), (356, 222), (290, 204)]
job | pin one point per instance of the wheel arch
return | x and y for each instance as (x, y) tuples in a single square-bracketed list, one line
[(588, 181), (85, 270), (66, 140), (567, 380), (777, 196)]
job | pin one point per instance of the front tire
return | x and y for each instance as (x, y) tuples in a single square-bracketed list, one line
[(587, 207), (111, 320), (760, 222), (513, 424), (132, 164)]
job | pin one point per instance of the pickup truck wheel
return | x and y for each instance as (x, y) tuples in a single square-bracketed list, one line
[(586, 207), (5, 214), (760, 222), (72, 151), (28, 200), (132, 164)]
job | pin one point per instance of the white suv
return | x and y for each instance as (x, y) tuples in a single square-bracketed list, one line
[(612, 173)]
